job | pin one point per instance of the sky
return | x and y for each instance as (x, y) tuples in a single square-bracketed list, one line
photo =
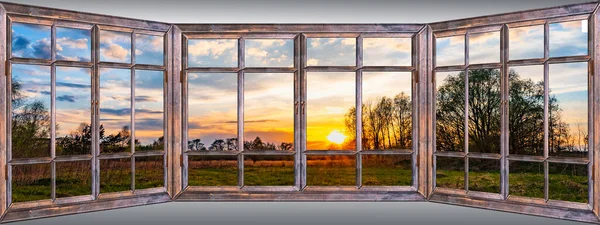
[(73, 85), (269, 97)]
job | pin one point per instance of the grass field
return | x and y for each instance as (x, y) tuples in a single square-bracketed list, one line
[(32, 182)]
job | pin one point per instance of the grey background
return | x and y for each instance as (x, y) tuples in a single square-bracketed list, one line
[(298, 11)]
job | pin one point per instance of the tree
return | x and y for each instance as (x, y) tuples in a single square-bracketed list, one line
[(31, 131), (78, 142)]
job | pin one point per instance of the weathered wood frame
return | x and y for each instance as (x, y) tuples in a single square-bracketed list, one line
[(503, 201), (94, 23), (299, 34), (423, 94)]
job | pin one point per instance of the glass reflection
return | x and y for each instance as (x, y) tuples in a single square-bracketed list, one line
[(526, 42), (450, 51), (270, 53), (149, 49), (149, 116), (115, 46), (387, 111), (484, 48), (73, 44), (569, 38), (73, 97), (115, 110), (568, 110), (387, 52), (450, 111), (30, 99), (212, 53), (331, 52), (31, 41), (333, 170), (212, 114), (268, 111), (526, 110), (330, 105)]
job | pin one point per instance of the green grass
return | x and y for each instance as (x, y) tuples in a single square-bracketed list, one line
[(562, 186), (75, 180)]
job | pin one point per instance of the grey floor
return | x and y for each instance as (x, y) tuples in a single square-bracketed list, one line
[(305, 213)]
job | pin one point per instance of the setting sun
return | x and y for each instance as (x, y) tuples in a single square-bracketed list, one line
[(336, 137)]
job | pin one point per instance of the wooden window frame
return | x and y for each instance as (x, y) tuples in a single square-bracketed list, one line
[(175, 110)]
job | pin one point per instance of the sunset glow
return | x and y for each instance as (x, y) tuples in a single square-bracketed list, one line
[(336, 137)]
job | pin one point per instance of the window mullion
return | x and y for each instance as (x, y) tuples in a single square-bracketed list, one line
[(466, 128), (546, 109), (358, 107), (240, 110)]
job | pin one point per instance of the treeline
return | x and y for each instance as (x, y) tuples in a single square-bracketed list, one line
[(231, 144), (526, 116), (31, 130), (386, 123)]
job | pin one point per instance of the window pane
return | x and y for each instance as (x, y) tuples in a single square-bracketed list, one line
[(73, 97), (31, 182), (386, 170), (213, 170), (149, 172), (568, 182), (484, 175), (30, 111), (149, 127), (331, 51), (484, 48), (149, 49), (212, 53), (387, 52), (115, 46), (387, 111), (450, 111), (31, 41), (526, 110), (115, 175), (73, 179), (212, 113), (269, 111), (569, 38), (450, 172), (526, 42), (450, 51), (484, 110), (115, 110), (270, 53), (330, 106), (526, 179), (568, 119), (261, 170), (73, 44), (337, 170)]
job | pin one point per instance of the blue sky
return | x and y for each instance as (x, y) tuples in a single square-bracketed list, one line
[(149, 49), (31, 41), (115, 46), (148, 105), (269, 53), (73, 44), (115, 104), (212, 52), (73, 95), (331, 52)]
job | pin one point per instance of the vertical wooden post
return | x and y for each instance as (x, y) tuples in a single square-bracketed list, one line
[(3, 112)]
